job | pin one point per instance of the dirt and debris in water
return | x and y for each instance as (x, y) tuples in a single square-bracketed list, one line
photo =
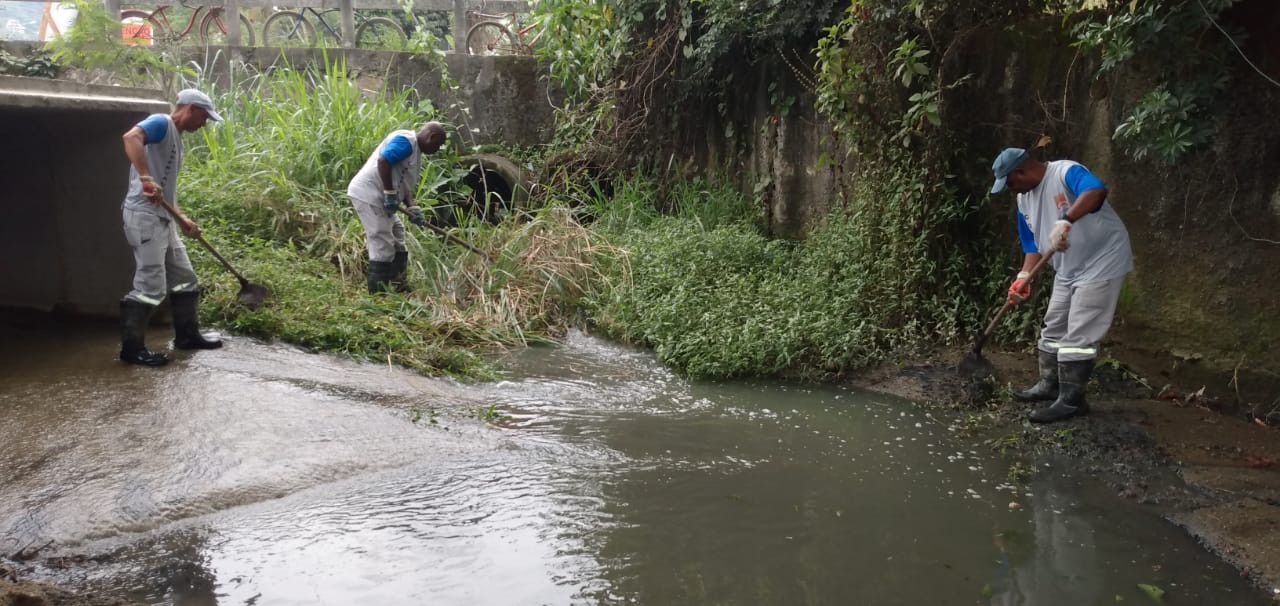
[(15, 591), (41, 594), (1211, 468)]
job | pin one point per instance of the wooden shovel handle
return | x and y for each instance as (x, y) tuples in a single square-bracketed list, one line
[(450, 237), (991, 326), (174, 212)]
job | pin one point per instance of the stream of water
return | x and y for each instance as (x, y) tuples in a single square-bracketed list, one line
[(262, 474)]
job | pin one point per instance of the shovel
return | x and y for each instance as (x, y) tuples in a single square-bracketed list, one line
[(250, 295), (973, 364)]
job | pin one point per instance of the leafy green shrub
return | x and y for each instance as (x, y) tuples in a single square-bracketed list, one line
[(715, 298), (36, 64)]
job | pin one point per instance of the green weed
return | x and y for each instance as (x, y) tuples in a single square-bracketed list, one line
[(269, 189)]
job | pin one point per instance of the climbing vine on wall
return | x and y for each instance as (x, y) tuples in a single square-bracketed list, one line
[(631, 65), (633, 68), (1169, 43)]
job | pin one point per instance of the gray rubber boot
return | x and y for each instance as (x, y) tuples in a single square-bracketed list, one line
[(134, 316), (380, 275), (186, 323), (1046, 389), (1073, 380), (400, 271)]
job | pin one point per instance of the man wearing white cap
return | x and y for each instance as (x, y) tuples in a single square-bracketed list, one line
[(161, 266), (1063, 207)]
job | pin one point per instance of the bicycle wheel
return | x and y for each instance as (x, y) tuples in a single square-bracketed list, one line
[(135, 34), (380, 33), (213, 30), (491, 38), (287, 28)]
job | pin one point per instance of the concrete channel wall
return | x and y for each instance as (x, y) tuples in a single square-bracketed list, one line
[(64, 176)]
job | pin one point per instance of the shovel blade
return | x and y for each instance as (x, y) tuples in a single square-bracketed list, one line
[(974, 365), (252, 295)]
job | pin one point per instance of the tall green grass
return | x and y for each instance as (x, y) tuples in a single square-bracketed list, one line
[(269, 189), (683, 268), (715, 298)]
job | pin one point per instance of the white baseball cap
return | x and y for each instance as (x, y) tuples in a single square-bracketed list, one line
[(191, 96)]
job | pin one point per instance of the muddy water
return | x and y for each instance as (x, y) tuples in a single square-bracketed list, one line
[(261, 474)]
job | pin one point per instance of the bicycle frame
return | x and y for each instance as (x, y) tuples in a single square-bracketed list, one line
[(337, 35), (161, 15), (512, 23), (319, 16)]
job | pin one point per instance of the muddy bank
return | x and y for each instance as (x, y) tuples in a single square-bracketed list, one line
[(25, 593), (16, 590), (1210, 468)]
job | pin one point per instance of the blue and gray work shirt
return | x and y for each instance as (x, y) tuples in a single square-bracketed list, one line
[(400, 150), (163, 151), (1099, 241)]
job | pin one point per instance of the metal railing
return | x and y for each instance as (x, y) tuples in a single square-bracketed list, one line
[(459, 8)]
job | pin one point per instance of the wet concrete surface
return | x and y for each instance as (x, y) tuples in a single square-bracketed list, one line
[(262, 474)]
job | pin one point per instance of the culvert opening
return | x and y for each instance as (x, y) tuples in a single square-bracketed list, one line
[(490, 196)]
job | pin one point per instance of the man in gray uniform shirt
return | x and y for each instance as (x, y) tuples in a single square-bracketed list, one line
[(1062, 207), (154, 148), (388, 179)]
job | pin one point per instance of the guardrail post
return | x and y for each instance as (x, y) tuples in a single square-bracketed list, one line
[(348, 23), (113, 8), (460, 26), (231, 15)]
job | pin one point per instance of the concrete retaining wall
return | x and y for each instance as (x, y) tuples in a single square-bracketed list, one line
[(508, 100)]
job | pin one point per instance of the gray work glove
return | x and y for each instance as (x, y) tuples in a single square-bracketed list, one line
[(416, 217), (391, 201)]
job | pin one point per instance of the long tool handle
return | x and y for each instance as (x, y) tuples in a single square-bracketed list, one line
[(174, 212), (1044, 260), (452, 238)]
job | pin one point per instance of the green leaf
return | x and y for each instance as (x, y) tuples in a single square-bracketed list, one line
[(1152, 592)]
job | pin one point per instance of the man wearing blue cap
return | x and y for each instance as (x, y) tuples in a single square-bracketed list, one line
[(154, 149), (1062, 207)]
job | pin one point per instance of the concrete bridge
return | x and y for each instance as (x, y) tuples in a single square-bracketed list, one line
[(64, 174)]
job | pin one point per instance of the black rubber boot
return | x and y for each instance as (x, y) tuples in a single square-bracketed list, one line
[(186, 323), (134, 316), (1046, 389), (381, 273), (400, 272), (1073, 380)]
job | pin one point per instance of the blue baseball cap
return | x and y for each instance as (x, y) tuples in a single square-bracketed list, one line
[(1008, 160)]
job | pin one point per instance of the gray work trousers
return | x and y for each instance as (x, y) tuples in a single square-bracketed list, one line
[(160, 259), (1078, 318), (383, 231)]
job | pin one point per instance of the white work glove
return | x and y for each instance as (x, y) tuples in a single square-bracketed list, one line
[(1058, 237)]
